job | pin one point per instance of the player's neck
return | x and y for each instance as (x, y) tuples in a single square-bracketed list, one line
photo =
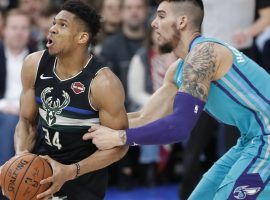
[(68, 66), (183, 46)]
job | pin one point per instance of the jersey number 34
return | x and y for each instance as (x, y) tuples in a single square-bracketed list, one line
[(55, 141)]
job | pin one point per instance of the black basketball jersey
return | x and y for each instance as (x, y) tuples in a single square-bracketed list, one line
[(65, 115), (65, 111)]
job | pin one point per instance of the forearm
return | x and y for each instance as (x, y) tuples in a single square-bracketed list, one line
[(102, 159), (173, 128), (25, 136)]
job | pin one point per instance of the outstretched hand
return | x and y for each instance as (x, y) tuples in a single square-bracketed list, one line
[(105, 138)]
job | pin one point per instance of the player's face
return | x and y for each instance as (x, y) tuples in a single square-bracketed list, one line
[(64, 33), (165, 26)]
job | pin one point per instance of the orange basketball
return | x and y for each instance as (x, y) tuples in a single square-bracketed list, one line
[(21, 175)]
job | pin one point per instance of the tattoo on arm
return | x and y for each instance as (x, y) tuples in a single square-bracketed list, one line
[(199, 70)]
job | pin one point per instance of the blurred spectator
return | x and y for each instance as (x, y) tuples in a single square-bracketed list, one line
[(147, 69), (110, 11), (33, 8), (12, 53), (254, 29), (238, 28), (118, 50), (44, 24), (1, 24)]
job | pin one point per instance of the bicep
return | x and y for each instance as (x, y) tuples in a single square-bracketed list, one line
[(112, 111), (28, 105), (199, 70)]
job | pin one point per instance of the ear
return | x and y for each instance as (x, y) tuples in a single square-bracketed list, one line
[(83, 37), (181, 22)]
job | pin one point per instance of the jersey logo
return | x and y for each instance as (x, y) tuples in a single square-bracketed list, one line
[(77, 87), (241, 192), (45, 77), (53, 107)]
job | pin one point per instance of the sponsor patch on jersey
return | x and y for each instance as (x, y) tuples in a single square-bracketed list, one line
[(77, 87)]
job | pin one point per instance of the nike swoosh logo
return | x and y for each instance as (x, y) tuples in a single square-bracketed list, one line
[(45, 77)]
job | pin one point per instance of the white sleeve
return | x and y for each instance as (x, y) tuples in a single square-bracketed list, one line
[(136, 81)]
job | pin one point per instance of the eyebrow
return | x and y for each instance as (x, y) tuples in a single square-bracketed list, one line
[(161, 12), (64, 20)]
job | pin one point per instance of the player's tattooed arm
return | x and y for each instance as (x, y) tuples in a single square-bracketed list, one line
[(199, 70)]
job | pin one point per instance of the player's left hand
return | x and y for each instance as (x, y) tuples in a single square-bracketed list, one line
[(103, 137), (61, 174)]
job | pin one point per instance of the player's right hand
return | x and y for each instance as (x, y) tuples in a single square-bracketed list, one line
[(103, 137)]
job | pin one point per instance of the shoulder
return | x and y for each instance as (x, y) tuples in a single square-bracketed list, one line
[(106, 87), (34, 58), (169, 76), (30, 66), (106, 79)]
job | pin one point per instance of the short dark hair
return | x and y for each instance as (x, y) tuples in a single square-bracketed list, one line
[(85, 13), (197, 15), (195, 2)]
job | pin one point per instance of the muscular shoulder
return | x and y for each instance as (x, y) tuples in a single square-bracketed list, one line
[(30, 66), (106, 87), (169, 76), (199, 69)]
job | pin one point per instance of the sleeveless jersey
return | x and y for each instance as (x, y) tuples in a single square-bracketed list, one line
[(241, 97), (65, 112)]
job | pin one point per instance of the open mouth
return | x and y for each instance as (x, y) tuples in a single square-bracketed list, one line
[(49, 43)]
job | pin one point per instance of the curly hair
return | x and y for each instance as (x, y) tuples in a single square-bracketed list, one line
[(85, 13)]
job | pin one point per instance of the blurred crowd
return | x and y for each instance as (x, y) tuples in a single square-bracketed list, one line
[(129, 45)]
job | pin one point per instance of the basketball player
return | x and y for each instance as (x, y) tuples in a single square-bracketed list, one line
[(68, 90), (215, 77)]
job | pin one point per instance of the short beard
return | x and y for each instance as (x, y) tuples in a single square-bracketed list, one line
[(165, 48)]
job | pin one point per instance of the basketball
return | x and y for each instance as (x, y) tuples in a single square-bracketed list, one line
[(22, 174)]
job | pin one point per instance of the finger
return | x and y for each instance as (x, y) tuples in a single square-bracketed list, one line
[(88, 136), (47, 180), (94, 128), (47, 193), (3, 192)]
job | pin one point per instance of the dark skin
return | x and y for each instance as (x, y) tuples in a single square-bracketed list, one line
[(69, 44)]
